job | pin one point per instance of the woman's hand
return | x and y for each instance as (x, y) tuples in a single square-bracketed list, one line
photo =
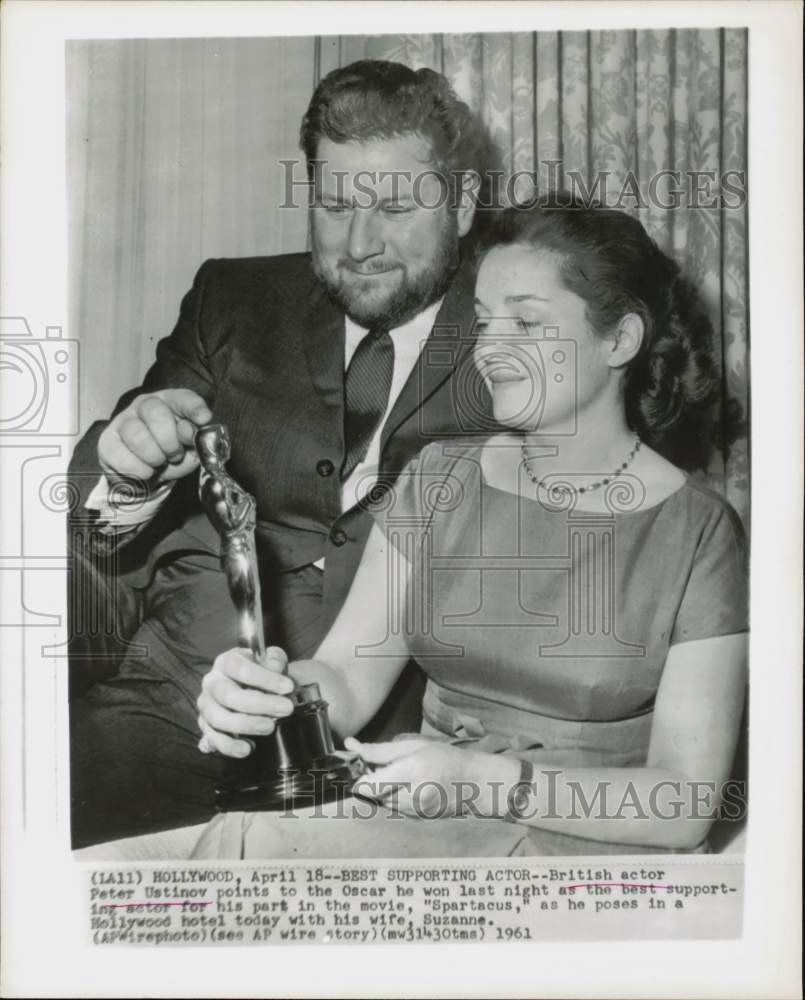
[(243, 698), (431, 780)]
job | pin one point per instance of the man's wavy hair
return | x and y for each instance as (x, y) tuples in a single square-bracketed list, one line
[(608, 259), (376, 99)]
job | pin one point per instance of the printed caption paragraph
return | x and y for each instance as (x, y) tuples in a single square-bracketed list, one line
[(336, 902)]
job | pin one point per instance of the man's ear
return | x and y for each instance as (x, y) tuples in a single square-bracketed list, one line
[(626, 341), (467, 199)]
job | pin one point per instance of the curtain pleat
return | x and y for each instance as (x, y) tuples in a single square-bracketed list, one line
[(173, 157), (547, 106)]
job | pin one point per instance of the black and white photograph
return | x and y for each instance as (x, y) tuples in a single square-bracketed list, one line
[(401, 433), (450, 459)]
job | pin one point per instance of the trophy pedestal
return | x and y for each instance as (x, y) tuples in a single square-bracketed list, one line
[(294, 766)]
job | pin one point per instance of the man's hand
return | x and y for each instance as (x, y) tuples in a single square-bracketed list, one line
[(243, 698), (152, 439)]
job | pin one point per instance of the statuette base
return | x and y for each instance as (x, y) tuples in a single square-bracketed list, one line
[(323, 780), (294, 767)]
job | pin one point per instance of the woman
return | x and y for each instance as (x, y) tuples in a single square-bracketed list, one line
[(576, 601)]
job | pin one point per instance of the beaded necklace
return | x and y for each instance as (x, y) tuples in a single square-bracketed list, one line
[(582, 489)]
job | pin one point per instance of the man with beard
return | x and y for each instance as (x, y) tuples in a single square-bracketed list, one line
[(331, 370)]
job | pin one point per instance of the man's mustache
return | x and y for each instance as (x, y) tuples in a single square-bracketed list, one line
[(366, 268)]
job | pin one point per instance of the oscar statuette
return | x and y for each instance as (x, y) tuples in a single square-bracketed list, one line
[(296, 764)]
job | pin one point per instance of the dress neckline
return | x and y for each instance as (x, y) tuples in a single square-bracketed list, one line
[(684, 485)]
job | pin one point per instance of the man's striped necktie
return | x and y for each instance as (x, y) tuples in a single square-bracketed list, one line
[(366, 394)]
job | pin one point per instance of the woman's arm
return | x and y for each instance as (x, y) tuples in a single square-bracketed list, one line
[(697, 717), (365, 651), (668, 803), (355, 666)]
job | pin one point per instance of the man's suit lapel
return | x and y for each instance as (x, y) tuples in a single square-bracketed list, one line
[(321, 330), (449, 342)]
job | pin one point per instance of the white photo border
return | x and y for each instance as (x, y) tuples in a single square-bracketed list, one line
[(45, 951)]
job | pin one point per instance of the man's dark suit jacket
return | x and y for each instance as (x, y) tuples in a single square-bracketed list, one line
[(262, 343)]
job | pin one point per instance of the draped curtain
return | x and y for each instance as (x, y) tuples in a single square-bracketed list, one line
[(175, 148)]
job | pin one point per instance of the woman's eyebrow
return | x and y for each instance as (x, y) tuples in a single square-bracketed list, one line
[(513, 299), (525, 298)]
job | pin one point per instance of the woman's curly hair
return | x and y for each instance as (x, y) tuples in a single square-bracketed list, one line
[(608, 259)]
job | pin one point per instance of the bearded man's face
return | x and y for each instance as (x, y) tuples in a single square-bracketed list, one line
[(384, 235)]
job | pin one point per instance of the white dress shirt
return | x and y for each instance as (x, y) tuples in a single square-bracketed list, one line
[(408, 339)]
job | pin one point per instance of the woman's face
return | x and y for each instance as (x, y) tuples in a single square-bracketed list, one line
[(536, 352)]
